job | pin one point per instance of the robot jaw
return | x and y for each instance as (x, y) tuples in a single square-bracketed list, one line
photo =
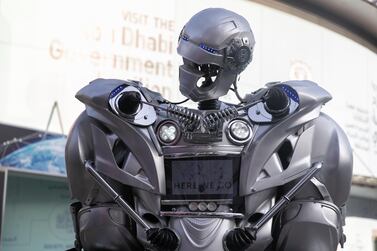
[(204, 82)]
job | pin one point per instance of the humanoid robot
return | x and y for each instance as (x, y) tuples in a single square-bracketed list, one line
[(269, 173)]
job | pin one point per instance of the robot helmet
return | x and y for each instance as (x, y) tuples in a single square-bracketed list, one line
[(216, 45)]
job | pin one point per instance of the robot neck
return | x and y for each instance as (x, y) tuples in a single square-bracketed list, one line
[(212, 104)]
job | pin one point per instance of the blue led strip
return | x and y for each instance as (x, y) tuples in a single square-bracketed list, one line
[(291, 93), (185, 38), (117, 90), (207, 48), (201, 45)]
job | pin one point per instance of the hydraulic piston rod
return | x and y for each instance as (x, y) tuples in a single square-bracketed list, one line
[(285, 199), (115, 196)]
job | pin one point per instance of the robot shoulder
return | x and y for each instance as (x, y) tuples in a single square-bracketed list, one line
[(98, 92), (120, 99), (292, 102), (308, 92)]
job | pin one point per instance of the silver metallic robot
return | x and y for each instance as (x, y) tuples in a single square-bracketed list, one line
[(269, 173)]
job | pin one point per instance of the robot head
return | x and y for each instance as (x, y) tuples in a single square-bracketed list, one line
[(216, 45)]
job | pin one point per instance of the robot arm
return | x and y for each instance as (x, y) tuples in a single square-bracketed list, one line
[(299, 140), (98, 221), (314, 219), (109, 150)]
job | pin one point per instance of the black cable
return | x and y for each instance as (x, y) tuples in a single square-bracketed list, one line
[(240, 103), (176, 103), (235, 90)]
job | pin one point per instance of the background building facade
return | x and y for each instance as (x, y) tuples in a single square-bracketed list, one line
[(49, 50)]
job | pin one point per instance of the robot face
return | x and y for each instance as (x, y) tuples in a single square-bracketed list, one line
[(216, 45), (207, 74), (203, 82)]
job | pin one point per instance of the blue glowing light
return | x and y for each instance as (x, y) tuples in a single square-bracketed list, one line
[(116, 91), (291, 93), (207, 48)]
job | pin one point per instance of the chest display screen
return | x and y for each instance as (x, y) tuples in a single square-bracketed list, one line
[(202, 177)]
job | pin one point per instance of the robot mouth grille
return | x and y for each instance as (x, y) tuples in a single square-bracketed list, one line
[(210, 72)]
